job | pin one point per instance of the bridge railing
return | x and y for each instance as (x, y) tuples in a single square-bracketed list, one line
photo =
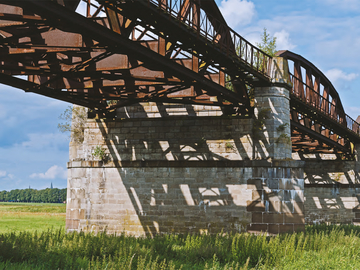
[(219, 34), (308, 95)]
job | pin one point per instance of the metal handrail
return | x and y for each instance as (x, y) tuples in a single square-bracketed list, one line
[(324, 105), (219, 34)]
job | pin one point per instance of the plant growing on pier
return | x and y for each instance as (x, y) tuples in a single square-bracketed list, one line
[(284, 138), (259, 123), (74, 120), (99, 153), (282, 127), (229, 146)]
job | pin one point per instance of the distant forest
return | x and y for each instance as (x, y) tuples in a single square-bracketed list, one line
[(49, 195)]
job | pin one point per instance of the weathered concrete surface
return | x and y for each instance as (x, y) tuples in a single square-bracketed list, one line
[(145, 198), (271, 128), (332, 191), (170, 169)]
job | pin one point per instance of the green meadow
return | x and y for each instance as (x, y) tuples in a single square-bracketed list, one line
[(42, 243), (20, 217)]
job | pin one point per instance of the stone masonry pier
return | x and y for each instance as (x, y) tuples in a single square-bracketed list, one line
[(188, 168)]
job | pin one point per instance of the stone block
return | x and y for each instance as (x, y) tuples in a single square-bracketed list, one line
[(273, 218), (286, 183), (257, 195), (297, 195), (275, 206), (299, 227), (272, 183), (255, 206), (287, 207), (299, 207), (287, 195), (273, 228), (273, 195), (72, 224), (255, 184), (257, 228), (256, 217), (294, 218), (286, 228)]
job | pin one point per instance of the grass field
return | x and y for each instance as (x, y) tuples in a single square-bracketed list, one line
[(19, 217), (33, 246)]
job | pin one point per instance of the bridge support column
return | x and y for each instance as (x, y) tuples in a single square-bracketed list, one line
[(277, 191), (357, 153), (271, 127)]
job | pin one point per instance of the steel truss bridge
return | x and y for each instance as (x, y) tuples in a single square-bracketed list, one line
[(105, 54)]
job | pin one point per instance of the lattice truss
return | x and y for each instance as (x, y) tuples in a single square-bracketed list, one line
[(108, 54), (319, 123)]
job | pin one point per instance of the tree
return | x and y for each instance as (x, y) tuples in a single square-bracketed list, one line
[(74, 120), (268, 44)]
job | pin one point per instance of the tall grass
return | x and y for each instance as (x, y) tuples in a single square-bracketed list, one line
[(320, 247)]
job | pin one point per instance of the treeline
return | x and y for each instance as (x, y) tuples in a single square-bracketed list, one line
[(49, 195)]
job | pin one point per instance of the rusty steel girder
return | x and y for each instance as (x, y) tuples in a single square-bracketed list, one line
[(117, 51), (319, 123)]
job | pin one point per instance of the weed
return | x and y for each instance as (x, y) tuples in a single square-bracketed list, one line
[(229, 146), (99, 153), (282, 127), (74, 121), (284, 138)]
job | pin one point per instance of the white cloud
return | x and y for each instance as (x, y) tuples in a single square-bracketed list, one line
[(283, 41), (3, 173), (337, 74), (52, 173), (237, 12)]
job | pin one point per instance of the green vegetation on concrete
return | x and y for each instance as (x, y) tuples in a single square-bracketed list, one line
[(74, 120), (321, 247), (31, 217)]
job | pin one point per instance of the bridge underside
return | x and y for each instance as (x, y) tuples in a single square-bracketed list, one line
[(118, 53), (115, 57)]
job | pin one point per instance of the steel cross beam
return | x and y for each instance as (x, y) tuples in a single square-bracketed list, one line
[(228, 49), (63, 18)]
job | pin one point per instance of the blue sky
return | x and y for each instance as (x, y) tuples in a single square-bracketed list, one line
[(326, 32)]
